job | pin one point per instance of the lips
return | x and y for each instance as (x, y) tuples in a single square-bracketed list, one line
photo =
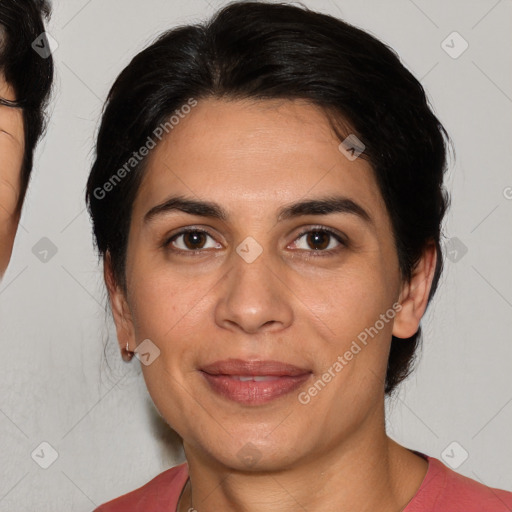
[(250, 368), (253, 382)]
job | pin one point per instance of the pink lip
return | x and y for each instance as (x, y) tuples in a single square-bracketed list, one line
[(284, 378)]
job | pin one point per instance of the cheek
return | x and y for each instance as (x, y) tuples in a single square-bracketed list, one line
[(173, 311), (352, 339), (353, 348), (163, 302), (351, 298), (168, 313)]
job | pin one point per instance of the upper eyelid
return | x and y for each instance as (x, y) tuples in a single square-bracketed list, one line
[(331, 231)]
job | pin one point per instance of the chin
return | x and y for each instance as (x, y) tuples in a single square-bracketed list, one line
[(249, 453)]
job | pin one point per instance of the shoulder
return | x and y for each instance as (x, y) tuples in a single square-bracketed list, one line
[(159, 494), (445, 490)]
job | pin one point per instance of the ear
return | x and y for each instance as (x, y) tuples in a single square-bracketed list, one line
[(414, 295), (120, 311)]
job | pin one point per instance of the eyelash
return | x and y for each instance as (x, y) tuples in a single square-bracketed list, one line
[(315, 253)]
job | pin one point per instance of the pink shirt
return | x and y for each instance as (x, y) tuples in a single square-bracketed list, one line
[(442, 490)]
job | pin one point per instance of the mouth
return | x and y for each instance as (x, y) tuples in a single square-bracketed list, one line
[(253, 382)]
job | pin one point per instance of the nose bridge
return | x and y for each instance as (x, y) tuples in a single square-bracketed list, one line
[(252, 271), (253, 295)]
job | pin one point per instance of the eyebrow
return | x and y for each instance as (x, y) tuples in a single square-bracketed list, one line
[(317, 206)]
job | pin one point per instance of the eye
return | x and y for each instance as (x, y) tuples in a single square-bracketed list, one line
[(318, 240), (191, 240), (314, 240)]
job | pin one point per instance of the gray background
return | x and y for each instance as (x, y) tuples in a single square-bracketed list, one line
[(55, 385)]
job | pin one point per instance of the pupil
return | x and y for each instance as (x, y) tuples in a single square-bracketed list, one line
[(316, 238)]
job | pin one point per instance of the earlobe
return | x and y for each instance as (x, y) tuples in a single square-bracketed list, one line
[(414, 295), (120, 311)]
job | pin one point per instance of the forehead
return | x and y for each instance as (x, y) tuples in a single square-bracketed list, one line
[(265, 152)]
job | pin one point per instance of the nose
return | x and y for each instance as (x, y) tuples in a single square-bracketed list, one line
[(254, 297)]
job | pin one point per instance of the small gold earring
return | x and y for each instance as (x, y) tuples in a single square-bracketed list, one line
[(129, 354)]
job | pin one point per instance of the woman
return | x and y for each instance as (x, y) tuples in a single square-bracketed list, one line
[(267, 197), (26, 74)]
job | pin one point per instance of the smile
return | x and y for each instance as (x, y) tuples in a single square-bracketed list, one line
[(253, 382)]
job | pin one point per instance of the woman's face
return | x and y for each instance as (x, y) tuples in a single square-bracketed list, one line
[(11, 159), (260, 285)]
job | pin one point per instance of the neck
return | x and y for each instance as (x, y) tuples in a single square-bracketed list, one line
[(367, 471)]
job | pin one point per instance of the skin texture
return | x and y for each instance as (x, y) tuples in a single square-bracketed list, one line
[(11, 151), (252, 158)]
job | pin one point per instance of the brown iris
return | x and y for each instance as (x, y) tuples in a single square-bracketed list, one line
[(318, 238), (194, 240)]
